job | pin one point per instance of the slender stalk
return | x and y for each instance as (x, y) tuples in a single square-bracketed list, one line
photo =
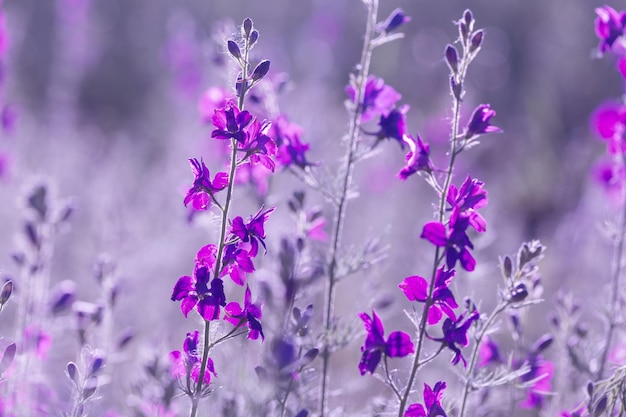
[(615, 281), (366, 56), (470, 371), (218, 263), (438, 255)]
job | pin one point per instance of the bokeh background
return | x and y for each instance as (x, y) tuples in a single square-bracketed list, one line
[(107, 96)]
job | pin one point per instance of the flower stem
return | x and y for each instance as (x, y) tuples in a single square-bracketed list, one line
[(218, 263), (437, 258), (615, 287), (341, 201)]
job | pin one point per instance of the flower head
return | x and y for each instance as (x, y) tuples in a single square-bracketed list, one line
[(291, 150), (416, 289), (398, 344), (418, 158), (230, 122), (250, 314), (432, 401), (393, 125), (541, 372), (455, 333), (479, 122), (257, 145), (378, 98), (253, 231), (488, 352), (195, 292), (188, 363), (203, 189), (610, 26)]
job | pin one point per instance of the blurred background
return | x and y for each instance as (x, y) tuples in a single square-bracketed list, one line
[(106, 95)]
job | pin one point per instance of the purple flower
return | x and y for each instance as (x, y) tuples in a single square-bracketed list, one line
[(237, 263), (609, 122), (203, 189), (542, 371), (432, 401), (195, 292), (393, 125), (398, 344), (230, 122), (188, 364), (253, 231), (378, 99), (417, 159), (395, 19), (488, 352), (610, 26), (250, 313), (455, 333), (257, 145), (416, 289), (479, 122), (466, 200)]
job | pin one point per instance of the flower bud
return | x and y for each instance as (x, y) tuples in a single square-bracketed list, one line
[(261, 70), (476, 42), (254, 36), (519, 293), (5, 293), (234, 50), (456, 88), (452, 59), (543, 343), (507, 267), (7, 358), (247, 27)]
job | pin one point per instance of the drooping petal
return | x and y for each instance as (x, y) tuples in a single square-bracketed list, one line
[(182, 288), (369, 361), (415, 288), (435, 233), (399, 345)]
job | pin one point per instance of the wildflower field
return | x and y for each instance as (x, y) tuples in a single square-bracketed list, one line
[(319, 208)]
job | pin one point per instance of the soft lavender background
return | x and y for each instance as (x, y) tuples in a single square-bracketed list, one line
[(109, 119)]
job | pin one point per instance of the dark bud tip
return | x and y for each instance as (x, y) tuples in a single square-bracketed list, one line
[(452, 59), (519, 293), (7, 357), (72, 372), (477, 41), (463, 31), (254, 36), (507, 267), (590, 389), (247, 27), (261, 70), (234, 50), (543, 343), (96, 365), (5, 293), (303, 413), (396, 19), (601, 407), (468, 17), (456, 88)]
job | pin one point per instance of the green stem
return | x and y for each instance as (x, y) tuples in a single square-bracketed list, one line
[(366, 56)]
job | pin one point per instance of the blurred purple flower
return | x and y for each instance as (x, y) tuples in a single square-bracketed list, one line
[(609, 122), (230, 123), (416, 289), (432, 401), (479, 122), (8, 118), (4, 36), (542, 370), (610, 26), (395, 19), (253, 231), (195, 292), (488, 352), (203, 189), (250, 313), (611, 175), (378, 99), (455, 333), (417, 159), (291, 151), (188, 363), (398, 344), (37, 340)]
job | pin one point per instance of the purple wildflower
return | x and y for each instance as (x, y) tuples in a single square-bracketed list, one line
[(432, 401), (488, 352), (237, 263), (257, 145), (610, 26), (542, 371), (479, 122), (417, 159), (393, 125), (416, 289), (250, 313), (395, 19), (195, 292), (203, 189), (230, 122), (188, 364), (455, 333), (253, 231), (398, 344), (291, 150), (378, 99), (609, 122)]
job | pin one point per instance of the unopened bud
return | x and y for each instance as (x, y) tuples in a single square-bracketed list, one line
[(5, 293), (234, 50), (247, 27), (452, 59), (254, 36), (519, 293), (476, 42), (261, 70)]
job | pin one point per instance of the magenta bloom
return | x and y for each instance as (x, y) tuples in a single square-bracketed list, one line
[(250, 313), (237, 263), (195, 292), (479, 122), (432, 401), (609, 122), (455, 333), (544, 370), (230, 122), (203, 189), (257, 145), (416, 289), (418, 158), (188, 364), (378, 99), (610, 26), (291, 150), (398, 344), (393, 125), (488, 352), (253, 231)]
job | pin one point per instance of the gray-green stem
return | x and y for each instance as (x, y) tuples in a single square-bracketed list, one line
[(366, 56)]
